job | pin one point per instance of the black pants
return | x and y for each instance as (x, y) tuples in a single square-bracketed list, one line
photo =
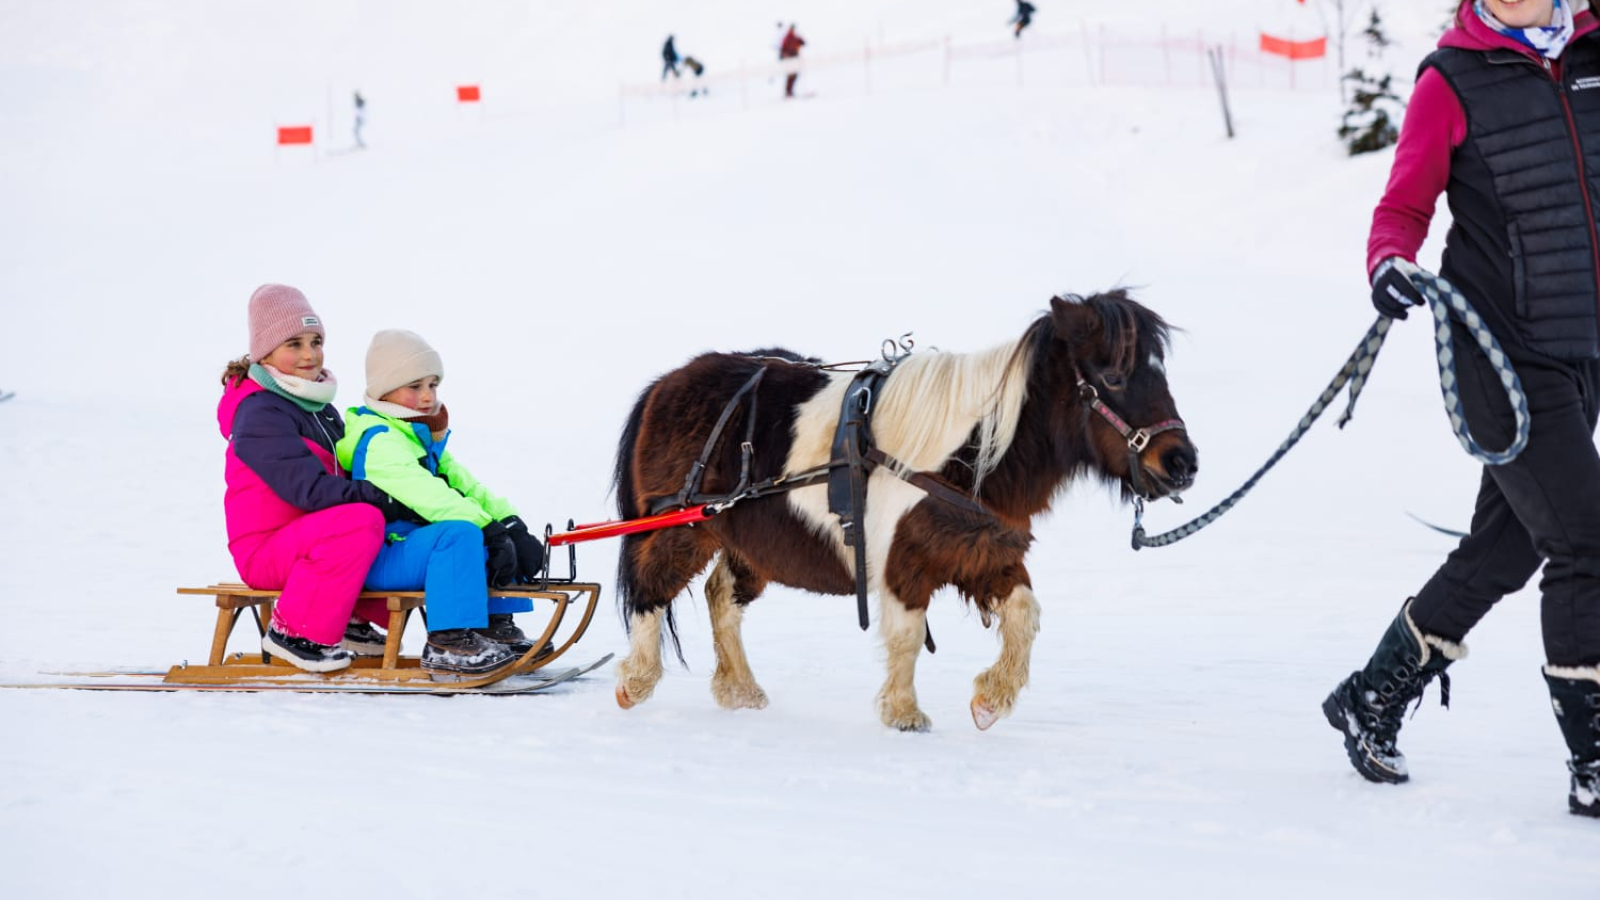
[(1542, 507)]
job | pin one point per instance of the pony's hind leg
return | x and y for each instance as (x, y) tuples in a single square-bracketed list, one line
[(728, 589), (659, 566), (994, 691), (640, 670), (903, 633)]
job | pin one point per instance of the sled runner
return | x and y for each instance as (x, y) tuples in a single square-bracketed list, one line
[(392, 673)]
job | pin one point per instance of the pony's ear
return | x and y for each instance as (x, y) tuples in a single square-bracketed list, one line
[(1074, 321)]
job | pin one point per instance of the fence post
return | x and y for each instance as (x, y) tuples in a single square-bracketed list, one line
[(1088, 55), (1166, 54), (1222, 86), (866, 63)]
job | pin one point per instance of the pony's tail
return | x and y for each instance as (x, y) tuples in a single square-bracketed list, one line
[(628, 507)]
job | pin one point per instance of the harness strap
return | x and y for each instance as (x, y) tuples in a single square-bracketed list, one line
[(847, 480), (691, 482)]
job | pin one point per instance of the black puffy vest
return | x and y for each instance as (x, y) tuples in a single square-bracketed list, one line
[(1524, 197)]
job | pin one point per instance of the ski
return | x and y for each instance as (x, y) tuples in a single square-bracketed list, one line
[(515, 684), (142, 680)]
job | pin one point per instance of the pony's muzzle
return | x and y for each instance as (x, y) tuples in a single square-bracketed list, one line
[(1179, 465)]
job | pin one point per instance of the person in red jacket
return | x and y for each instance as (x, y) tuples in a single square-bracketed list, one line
[(789, 56), (1505, 122)]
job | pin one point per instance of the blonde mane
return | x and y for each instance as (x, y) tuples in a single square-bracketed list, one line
[(934, 401)]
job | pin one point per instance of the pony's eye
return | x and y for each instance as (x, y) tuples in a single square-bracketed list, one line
[(1112, 380)]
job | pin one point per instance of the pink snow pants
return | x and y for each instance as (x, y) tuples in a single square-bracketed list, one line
[(319, 562)]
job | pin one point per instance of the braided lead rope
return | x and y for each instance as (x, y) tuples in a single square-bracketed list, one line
[(1444, 301)]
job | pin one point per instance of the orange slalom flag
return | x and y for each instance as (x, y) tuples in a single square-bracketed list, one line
[(294, 134), (468, 93), (1313, 49)]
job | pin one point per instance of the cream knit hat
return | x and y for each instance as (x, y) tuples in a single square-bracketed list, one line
[(398, 357)]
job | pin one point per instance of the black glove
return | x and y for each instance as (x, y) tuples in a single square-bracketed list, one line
[(395, 511), (501, 566), (530, 552), (1392, 288)]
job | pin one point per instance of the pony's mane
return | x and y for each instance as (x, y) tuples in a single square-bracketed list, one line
[(933, 402)]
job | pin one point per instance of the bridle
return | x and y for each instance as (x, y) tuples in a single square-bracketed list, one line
[(1137, 438)]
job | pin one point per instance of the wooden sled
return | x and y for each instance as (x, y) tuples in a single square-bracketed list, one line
[(394, 671)]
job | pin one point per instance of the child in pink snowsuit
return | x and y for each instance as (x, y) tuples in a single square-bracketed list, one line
[(295, 523)]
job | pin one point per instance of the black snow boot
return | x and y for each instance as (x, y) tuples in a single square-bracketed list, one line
[(361, 639), (1575, 695), (302, 653), (1368, 706), (503, 630), (465, 652)]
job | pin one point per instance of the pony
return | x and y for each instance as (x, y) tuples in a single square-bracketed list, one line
[(1010, 427)]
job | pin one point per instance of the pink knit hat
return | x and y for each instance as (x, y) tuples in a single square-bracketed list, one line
[(277, 313)]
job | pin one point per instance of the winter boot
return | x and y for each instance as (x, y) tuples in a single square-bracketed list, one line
[(503, 630), (361, 639), (1575, 694), (302, 653), (1367, 707), (465, 652)]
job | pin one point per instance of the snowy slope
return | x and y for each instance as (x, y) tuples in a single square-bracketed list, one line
[(1170, 739)]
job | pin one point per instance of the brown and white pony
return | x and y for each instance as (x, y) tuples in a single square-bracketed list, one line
[(1010, 426)]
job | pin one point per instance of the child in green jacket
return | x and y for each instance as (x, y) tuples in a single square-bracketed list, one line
[(396, 440)]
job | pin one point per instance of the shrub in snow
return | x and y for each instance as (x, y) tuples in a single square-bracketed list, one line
[(1372, 120)]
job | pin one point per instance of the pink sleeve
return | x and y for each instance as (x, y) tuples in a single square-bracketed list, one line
[(1434, 126)]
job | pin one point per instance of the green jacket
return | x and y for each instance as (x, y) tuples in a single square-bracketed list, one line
[(402, 458)]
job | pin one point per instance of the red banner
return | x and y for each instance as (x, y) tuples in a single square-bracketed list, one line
[(1314, 49), (468, 93), (294, 134)]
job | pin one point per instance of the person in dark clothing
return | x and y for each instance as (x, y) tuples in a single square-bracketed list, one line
[(669, 59), (789, 56), (1522, 250), (360, 119), (1022, 18)]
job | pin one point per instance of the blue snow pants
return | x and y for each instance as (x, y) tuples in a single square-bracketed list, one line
[(445, 560)]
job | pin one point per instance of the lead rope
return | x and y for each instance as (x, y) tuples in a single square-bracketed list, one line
[(1445, 302)]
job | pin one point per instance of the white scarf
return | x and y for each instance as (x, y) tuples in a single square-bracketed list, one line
[(320, 391), (392, 410)]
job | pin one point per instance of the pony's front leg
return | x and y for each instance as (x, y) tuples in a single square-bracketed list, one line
[(994, 691), (640, 670), (733, 685), (903, 632)]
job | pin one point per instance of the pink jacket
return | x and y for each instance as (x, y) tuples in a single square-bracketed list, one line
[(1435, 125), (291, 468)]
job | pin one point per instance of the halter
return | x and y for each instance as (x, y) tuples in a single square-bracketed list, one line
[(1137, 438)]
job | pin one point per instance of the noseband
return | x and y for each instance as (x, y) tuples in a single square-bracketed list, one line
[(1137, 438)]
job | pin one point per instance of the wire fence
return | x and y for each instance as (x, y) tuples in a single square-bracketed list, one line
[(1091, 56)]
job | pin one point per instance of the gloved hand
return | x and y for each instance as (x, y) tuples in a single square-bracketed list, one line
[(501, 566), (530, 551), (1392, 288), (395, 511)]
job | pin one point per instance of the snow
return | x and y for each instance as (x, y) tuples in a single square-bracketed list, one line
[(1170, 741)]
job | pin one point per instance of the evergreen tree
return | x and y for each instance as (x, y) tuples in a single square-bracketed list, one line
[(1372, 120)]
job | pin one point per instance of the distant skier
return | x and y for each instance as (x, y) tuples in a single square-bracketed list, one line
[(789, 55), (1023, 17), (360, 119), (694, 66), (669, 59)]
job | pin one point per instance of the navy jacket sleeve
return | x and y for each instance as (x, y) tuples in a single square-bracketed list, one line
[(267, 438)]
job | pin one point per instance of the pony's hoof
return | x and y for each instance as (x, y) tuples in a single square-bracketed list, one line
[(623, 700), (983, 715), (748, 696), (912, 720)]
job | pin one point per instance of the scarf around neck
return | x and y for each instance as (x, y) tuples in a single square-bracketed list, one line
[(308, 395), (1548, 40)]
